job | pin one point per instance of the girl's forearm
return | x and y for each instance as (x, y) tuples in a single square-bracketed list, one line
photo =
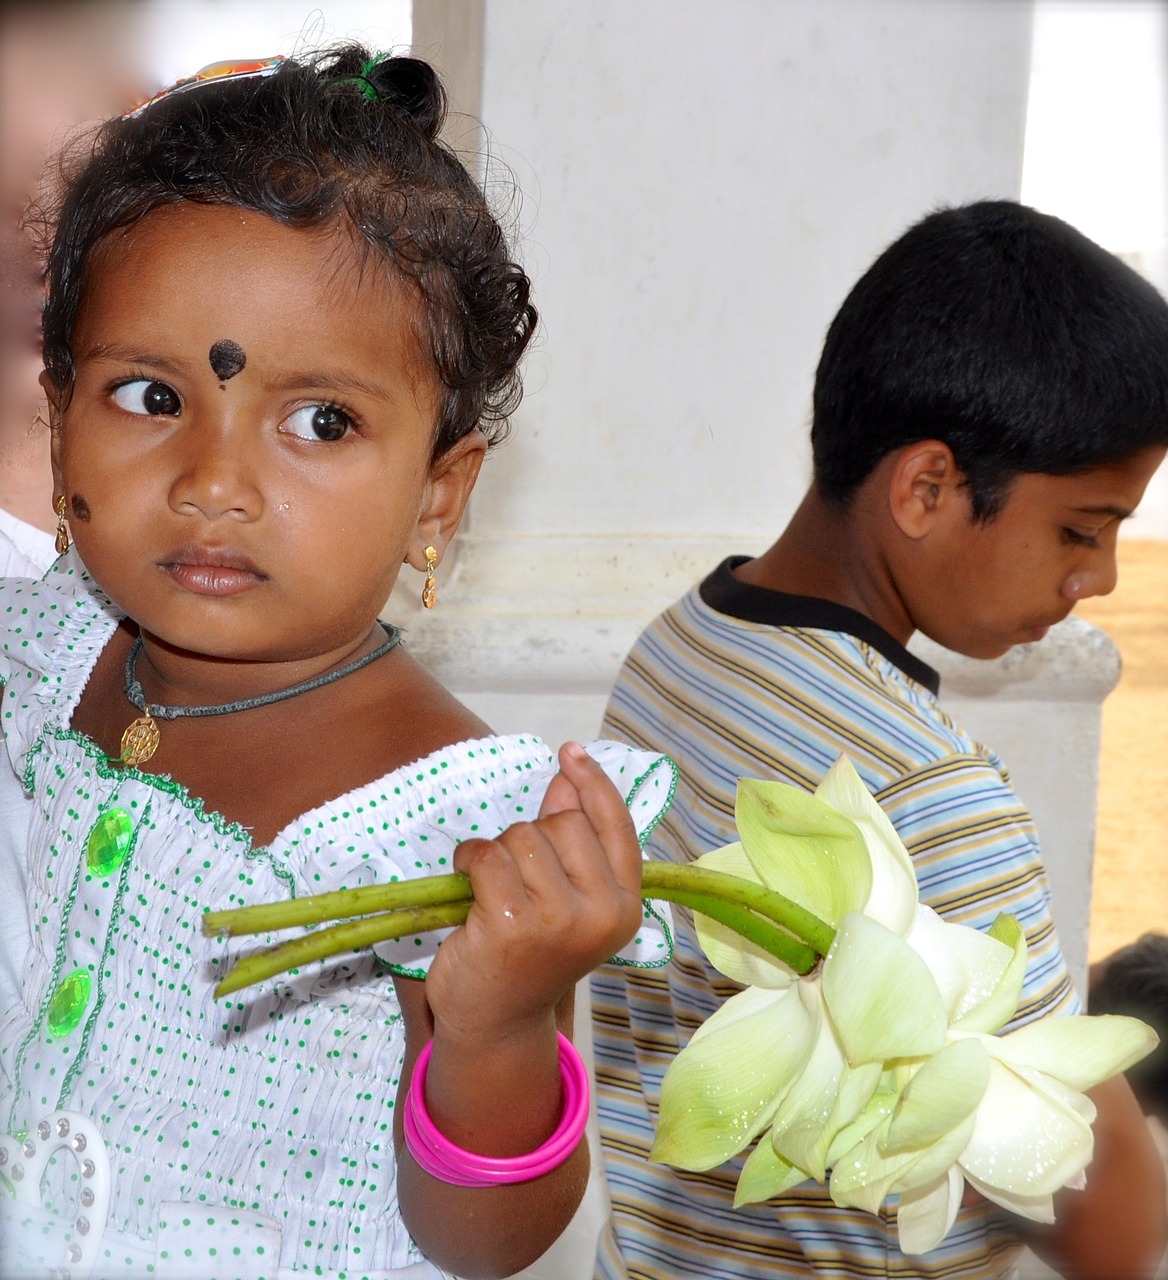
[(498, 1098)]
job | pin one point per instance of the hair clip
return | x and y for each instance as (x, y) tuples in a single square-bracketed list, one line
[(232, 69)]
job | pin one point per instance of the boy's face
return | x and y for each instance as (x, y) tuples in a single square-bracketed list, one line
[(1008, 580)]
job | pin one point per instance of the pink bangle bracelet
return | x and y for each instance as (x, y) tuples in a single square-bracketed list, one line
[(442, 1159)]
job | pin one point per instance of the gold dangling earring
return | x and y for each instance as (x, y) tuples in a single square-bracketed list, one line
[(62, 543), (430, 587)]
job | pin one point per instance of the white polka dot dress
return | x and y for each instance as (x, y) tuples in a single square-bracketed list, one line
[(251, 1136)]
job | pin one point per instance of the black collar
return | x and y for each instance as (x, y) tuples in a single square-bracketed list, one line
[(723, 592)]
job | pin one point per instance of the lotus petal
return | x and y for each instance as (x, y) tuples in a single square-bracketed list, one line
[(727, 951), (722, 1089), (826, 1096), (877, 1110), (967, 965), (882, 999), (926, 1213), (892, 900), (1002, 1003), (802, 848), (940, 1095), (1036, 1208), (1080, 1051), (864, 1177), (765, 1174), (1027, 1141)]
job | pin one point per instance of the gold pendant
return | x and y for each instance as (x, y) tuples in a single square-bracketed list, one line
[(139, 742)]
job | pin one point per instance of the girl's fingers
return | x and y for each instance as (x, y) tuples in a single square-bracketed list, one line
[(560, 796), (494, 876), (604, 807)]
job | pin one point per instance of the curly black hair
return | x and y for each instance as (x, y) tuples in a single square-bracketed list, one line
[(344, 137)]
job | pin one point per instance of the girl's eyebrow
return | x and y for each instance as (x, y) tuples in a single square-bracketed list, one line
[(340, 382), (134, 355)]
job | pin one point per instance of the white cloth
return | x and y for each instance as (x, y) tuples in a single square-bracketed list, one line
[(25, 550), (278, 1102)]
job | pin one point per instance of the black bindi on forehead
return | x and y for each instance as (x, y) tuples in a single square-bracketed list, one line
[(227, 359)]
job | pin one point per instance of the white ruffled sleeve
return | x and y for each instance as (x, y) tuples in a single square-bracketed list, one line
[(52, 632), (408, 825)]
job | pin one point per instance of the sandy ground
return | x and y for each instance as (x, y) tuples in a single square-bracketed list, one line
[(1131, 851)]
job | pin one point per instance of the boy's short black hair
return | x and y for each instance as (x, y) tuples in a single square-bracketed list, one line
[(347, 138), (1134, 981), (1006, 334)]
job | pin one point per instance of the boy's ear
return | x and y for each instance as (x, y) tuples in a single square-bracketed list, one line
[(925, 486), (448, 489)]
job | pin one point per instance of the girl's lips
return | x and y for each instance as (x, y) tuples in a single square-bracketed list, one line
[(212, 571)]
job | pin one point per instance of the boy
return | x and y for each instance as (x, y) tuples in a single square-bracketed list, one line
[(991, 402)]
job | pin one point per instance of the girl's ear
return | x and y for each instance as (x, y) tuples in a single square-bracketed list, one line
[(448, 488), (53, 396), (925, 487)]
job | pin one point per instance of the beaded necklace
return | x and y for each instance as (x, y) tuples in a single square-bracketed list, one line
[(140, 740)]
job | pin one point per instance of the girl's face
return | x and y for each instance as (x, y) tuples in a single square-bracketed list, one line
[(246, 452)]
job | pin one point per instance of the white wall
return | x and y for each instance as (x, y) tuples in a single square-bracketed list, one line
[(181, 36), (1097, 145)]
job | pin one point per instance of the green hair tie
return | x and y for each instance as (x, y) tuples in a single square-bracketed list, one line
[(361, 79)]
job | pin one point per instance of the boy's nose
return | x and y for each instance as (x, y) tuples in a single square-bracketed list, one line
[(1099, 580)]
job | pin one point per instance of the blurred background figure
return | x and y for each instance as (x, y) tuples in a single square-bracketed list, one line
[(62, 63), (1134, 981)]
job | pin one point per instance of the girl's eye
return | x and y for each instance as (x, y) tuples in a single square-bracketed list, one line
[(1081, 539), (143, 396), (318, 422)]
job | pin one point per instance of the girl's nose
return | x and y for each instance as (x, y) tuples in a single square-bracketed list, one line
[(216, 477), (1099, 580)]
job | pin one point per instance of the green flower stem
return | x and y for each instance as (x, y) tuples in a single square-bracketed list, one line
[(754, 928), (661, 879), (268, 917), (762, 916), (353, 935)]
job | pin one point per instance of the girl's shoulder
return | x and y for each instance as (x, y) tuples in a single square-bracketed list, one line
[(52, 631), (470, 789), (407, 824)]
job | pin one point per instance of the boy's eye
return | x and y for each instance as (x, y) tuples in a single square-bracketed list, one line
[(143, 396), (318, 422)]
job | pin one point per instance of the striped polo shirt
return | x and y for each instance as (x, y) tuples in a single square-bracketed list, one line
[(738, 681)]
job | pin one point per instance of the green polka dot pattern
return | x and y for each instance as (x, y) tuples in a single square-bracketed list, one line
[(277, 1103)]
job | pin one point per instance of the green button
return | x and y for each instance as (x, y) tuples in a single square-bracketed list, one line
[(109, 842), (68, 1005)]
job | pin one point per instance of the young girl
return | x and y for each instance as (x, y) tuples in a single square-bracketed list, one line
[(282, 324)]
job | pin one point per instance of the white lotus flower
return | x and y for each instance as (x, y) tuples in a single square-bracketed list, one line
[(879, 1064)]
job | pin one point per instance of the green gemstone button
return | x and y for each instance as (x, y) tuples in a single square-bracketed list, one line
[(109, 842), (69, 1003)]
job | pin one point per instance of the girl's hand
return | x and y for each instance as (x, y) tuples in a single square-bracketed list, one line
[(552, 899)]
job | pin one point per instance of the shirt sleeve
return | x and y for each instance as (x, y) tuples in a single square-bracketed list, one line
[(499, 798), (975, 851)]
